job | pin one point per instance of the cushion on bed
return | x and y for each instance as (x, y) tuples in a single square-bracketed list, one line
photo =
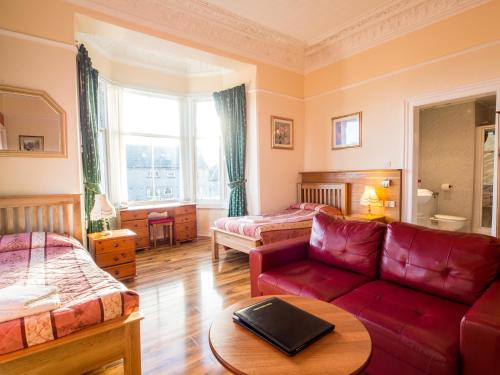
[(35, 240), (323, 208)]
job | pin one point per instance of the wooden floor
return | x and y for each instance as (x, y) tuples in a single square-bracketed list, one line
[(182, 289)]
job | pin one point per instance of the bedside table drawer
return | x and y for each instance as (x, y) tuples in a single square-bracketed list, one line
[(121, 271), (116, 257), (118, 244)]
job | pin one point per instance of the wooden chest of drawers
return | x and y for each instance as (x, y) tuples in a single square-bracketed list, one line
[(136, 219), (115, 253)]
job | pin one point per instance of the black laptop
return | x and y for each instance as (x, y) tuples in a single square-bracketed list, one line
[(283, 325)]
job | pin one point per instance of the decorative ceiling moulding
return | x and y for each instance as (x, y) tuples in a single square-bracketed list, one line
[(121, 52), (382, 25), (204, 23)]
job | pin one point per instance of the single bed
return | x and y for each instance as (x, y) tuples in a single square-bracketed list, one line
[(98, 320), (247, 232)]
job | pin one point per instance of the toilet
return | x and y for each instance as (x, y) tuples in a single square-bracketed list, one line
[(449, 222), (425, 208)]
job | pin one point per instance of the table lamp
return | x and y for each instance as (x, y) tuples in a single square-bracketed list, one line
[(103, 210), (369, 197)]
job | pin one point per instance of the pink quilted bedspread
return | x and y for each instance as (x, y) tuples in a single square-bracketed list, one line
[(88, 294), (292, 222)]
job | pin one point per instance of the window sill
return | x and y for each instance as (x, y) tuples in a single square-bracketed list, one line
[(212, 205)]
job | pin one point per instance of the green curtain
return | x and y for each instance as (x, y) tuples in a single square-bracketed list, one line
[(87, 92), (231, 108)]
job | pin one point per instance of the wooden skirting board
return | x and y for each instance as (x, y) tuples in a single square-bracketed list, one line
[(357, 180)]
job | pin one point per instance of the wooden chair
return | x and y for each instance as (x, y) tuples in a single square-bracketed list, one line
[(164, 222)]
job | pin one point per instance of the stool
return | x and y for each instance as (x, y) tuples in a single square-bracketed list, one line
[(164, 222)]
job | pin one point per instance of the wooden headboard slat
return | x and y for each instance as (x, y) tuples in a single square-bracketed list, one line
[(59, 213), (333, 194)]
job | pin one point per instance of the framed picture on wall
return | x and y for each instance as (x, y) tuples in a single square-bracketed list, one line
[(346, 131), (281, 133), (31, 143)]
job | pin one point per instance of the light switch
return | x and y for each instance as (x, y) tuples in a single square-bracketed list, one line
[(390, 204)]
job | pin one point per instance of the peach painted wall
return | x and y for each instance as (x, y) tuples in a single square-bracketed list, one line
[(51, 69), (378, 81), (279, 169)]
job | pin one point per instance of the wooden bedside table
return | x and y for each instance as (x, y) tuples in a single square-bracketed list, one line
[(366, 217), (115, 253)]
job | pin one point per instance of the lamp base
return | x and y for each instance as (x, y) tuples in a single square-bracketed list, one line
[(105, 233)]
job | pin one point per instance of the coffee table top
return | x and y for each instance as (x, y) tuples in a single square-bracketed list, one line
[(345, 351)]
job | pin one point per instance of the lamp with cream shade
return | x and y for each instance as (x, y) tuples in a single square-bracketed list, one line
[(103, 210), (369, 198)]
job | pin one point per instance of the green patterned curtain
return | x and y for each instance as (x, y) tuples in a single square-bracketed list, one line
[(231, 108), (87, 92)]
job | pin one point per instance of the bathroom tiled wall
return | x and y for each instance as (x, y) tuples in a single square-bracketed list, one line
[(447, 139)]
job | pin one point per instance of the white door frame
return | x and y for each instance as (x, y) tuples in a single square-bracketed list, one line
[(411, 146)]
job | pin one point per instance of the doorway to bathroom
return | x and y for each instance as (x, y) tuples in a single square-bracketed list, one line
[(450, 160)]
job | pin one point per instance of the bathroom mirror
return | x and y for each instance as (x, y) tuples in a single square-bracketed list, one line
[(31, 124)]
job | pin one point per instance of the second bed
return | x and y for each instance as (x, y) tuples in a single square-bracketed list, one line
[(246, 232)]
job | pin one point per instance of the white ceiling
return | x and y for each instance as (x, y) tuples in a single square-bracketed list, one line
[(130, 47), (309, 21)]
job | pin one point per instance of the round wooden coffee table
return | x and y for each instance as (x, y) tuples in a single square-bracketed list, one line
[(345, 351)]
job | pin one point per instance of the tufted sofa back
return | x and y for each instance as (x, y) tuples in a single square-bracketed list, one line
[(351, 245), (454, 265)]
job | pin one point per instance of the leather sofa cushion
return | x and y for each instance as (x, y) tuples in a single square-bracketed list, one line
[(309, 279), (453, 265), (419, 330), (352, 245)]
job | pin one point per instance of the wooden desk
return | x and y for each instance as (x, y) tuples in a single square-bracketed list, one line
[(345, 351), (136, 218)]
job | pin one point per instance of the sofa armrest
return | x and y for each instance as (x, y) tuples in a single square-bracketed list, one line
[(480, 334), (274, 255)]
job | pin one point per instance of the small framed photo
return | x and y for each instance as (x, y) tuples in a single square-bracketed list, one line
[(31, 143), (281, 133), (346, 131)]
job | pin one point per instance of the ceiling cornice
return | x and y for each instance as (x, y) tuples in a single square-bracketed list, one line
[(399, 18), (204, 23)]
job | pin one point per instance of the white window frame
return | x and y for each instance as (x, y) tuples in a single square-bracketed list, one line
[(187, 139), (223, 191)]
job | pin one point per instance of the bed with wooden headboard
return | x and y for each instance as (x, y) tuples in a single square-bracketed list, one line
[(83, 350), (245, 233)]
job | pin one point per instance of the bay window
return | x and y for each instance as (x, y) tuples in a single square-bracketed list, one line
[(166, 147)]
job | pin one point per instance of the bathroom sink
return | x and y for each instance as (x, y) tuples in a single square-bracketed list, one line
[(423, 196)]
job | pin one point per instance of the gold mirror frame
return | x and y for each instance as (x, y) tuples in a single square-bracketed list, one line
[(63, 153)]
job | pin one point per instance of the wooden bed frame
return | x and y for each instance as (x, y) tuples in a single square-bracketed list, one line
[(85, 350), (333, 194)]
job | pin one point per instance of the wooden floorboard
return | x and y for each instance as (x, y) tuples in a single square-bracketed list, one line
[(182, 289)]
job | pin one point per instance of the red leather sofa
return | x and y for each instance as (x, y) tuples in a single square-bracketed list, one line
[(430, 299)]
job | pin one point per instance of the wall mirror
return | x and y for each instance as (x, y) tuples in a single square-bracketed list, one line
[(31, 124)]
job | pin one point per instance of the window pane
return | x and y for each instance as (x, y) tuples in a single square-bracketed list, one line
[(207, 121), (208, 169), (150, 114), (139, 172), (167, 169)]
